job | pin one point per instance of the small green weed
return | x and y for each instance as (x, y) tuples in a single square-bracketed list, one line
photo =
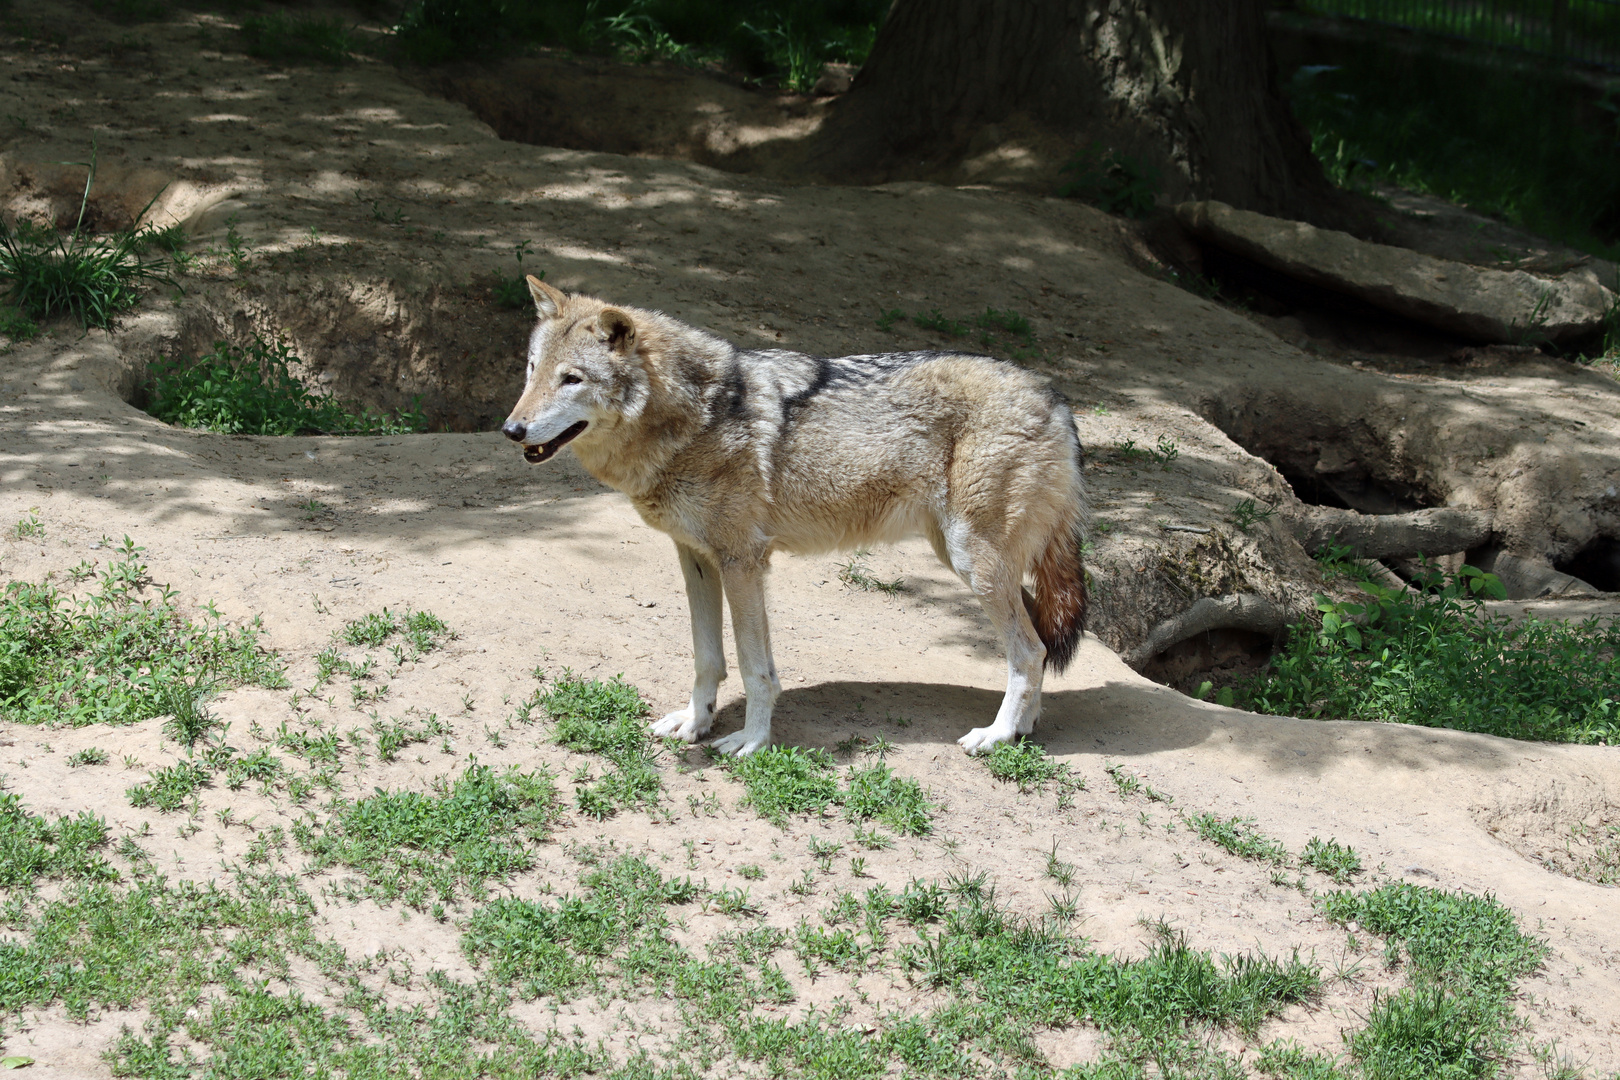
[(251, 390), (513, 292), (936, 320), (782, 780), (857, 575), (1161, 455), (32, 848), (1007, 322), (1597, 857), (90, 755), (887, 318), (1029, 766), (93, 279), (877, 793), (30, 527), (1247, 514), (170, 787), (1241, 838), (1115, 182), (115, 656), (609, 719), (281, 37), (1331, 858), (408, 845), (17, 326)]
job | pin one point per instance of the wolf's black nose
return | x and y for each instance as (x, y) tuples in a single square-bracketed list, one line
[(514, 430)]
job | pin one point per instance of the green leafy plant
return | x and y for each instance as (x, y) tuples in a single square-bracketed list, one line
[(32, 847), (1028, 765), (857, 575), (115, 655), (170, 787), (877, 793), (1433, 655), (1331, 858), (91, 278), (251, 390), (90, 755), (1165, 452), (608, 719), (1241, 838), (412, 845), (1115, 182), (281, 36), (782, 780), (513, 292), (1247, 514)]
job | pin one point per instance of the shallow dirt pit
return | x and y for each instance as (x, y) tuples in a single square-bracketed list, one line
[(373, 218)]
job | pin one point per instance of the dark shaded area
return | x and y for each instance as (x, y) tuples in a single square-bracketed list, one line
[(1598, 564)]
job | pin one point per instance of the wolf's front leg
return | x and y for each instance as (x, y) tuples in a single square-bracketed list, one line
[(745, 588), (708, 656)]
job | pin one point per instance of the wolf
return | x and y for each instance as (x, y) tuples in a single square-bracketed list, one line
[(737, 453)]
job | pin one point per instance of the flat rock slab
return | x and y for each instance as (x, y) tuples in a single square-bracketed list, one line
[(1470, 301)]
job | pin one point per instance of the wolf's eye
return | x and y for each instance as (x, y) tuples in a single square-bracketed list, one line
[(570, 379)]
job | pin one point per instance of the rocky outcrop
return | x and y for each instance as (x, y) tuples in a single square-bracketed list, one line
[(1472, 302)]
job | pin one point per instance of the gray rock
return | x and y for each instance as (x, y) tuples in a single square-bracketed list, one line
[(1469, 301)]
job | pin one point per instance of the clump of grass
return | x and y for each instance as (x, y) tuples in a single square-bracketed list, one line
[(1436, 657), (17, 326), (251, 390), (170, 787), (608, 718), (90, 755), (1115, 182), (1465, 953), (116, 655), (551, 949), (782, 780), (423, 631), (281, 37), (1331, 858), (857, 575), (1241, 838), (32, 847), (1029, 766), (876, 792), (411, 845), (93, 279)]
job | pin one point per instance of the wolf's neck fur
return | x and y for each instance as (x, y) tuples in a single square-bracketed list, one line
[(668, 412)]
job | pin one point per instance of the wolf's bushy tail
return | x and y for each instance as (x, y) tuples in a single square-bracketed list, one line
[(1059, 605)]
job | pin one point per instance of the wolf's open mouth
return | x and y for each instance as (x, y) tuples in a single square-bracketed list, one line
[(536, 454)]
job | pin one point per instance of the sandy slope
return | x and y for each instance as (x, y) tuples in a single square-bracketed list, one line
[(539, 565)]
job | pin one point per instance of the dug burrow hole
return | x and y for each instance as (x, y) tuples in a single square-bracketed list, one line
[(1223, 658), (1597, 564)]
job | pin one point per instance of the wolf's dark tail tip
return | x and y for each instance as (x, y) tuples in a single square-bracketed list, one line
[(1060, 598)]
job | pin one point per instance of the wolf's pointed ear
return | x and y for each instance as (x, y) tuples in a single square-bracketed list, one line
[(617, 330), (547, 301)]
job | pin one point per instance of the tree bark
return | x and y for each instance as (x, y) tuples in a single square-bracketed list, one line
[(1186, 86)]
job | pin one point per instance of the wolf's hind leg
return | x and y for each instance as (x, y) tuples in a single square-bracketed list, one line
[(745, 589), (703, 596), (1001, 594)]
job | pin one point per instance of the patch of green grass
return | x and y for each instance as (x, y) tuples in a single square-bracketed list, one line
[(90, 755), (93, 279), (783, 41), (1331, 858), (1115, 182), (32, 847), (280, 36), (251, 390), (1504, 141), (782, 780), (1437, 658), (1161, 455), (1028, 765), (170, 787), (857, 575), (120, 654), (877, 793), (17, 326), (553, 948), (607, 718), (1465, 954), (423, 631), (1241, 838), (409, 845)]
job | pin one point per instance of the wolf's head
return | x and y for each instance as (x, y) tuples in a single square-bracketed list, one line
[(584, 374)]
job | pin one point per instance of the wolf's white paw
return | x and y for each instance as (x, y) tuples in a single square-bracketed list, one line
[(740, 743), (981, 740), (682, 724)]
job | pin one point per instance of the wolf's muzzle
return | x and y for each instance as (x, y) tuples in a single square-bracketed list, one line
[(536, 454)]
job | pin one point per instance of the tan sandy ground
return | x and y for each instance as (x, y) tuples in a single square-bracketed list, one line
[(539, 565)]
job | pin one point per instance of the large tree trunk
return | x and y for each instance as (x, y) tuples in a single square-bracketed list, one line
[(1187, 86)]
